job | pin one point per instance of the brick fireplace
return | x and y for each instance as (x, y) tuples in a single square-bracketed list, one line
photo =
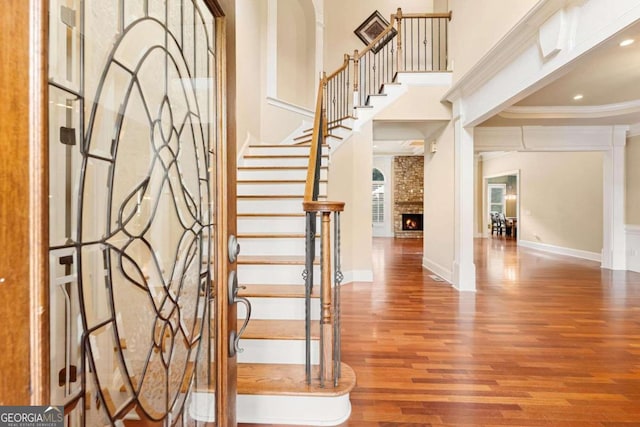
[(408, 181)]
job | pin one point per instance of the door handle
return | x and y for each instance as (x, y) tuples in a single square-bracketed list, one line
[(234, 338)]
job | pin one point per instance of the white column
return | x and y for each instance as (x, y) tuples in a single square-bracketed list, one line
[(613, 237), (464, 270)]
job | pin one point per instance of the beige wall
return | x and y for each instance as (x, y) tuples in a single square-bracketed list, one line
[(560, 197), (296, 52), (350, 182), (250, 41), (419, 103), (256, 117), (439, 204), (633, 181), (476, 26), (342, 17)]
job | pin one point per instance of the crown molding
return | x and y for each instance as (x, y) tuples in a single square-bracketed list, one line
[(571, 111), (507, 48), (634, 130)]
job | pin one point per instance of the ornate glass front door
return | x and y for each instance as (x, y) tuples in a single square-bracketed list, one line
[(132, 135)]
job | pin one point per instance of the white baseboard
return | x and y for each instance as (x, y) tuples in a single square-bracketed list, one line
[(633, 247), (357, 276), (438, 269), (576, 253)]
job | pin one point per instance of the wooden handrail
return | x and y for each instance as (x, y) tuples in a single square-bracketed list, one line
[(341, 69), (313, 152)]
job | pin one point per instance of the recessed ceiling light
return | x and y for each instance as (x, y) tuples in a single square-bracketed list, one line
[(578, 97), (626, 42)]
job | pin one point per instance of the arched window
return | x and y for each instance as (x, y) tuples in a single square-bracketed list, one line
[(377, 197)]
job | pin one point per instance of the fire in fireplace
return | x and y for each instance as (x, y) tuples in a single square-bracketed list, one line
[(412, 222)]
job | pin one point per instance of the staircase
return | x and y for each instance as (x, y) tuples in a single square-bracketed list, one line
[(271, 231)]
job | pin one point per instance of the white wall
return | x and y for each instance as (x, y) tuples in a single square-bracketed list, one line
[(477, 25), (561, 199), (438, 253), (385, 165), (350, 182)]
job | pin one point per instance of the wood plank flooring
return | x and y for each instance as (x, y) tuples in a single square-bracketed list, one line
[(545, 341)]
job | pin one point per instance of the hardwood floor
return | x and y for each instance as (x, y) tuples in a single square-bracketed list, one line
[(545, 341)]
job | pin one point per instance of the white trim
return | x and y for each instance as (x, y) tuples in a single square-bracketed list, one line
[(490, 155), (570, 111), (633, 247), (631, 229), (505, 50), (514, 68), (560, 250), (634, 130), (440, 78), (357, 276), (437, 269), (299, 410), (545, 138), (290, 107), (613, 198)]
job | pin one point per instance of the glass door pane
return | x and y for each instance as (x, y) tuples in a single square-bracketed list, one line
[(132, 97)]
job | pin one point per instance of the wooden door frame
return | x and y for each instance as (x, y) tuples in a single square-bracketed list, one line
[(24, 218), (24, 212)]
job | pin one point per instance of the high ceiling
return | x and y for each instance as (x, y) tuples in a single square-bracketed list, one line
[(608, 78)]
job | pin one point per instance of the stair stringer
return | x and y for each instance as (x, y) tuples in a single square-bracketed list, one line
[(392, 92)]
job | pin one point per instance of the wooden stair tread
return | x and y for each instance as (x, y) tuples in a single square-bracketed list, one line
[(279, 156), (277, 291), (261, 329), (274, 181), (277, 167), (273, 196), (278, 145), (270, 215), (273, 235), (271, 260), (289, 380)]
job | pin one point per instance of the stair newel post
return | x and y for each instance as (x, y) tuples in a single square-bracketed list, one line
[(326, 315), (356, 79), (399, 39), (337, 334)]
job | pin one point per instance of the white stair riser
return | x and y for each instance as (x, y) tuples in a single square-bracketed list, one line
[(275, 225), (277, 351), (271, 188), (299, 410), (283, 150), (249, 274), (270, 205), (279, 161), (274, 174), (279, 309), (275, 246)]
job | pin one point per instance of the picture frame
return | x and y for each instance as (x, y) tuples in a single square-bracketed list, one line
[(371, 28)]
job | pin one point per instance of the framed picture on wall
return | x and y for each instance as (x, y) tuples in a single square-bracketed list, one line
[(371, 28)]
